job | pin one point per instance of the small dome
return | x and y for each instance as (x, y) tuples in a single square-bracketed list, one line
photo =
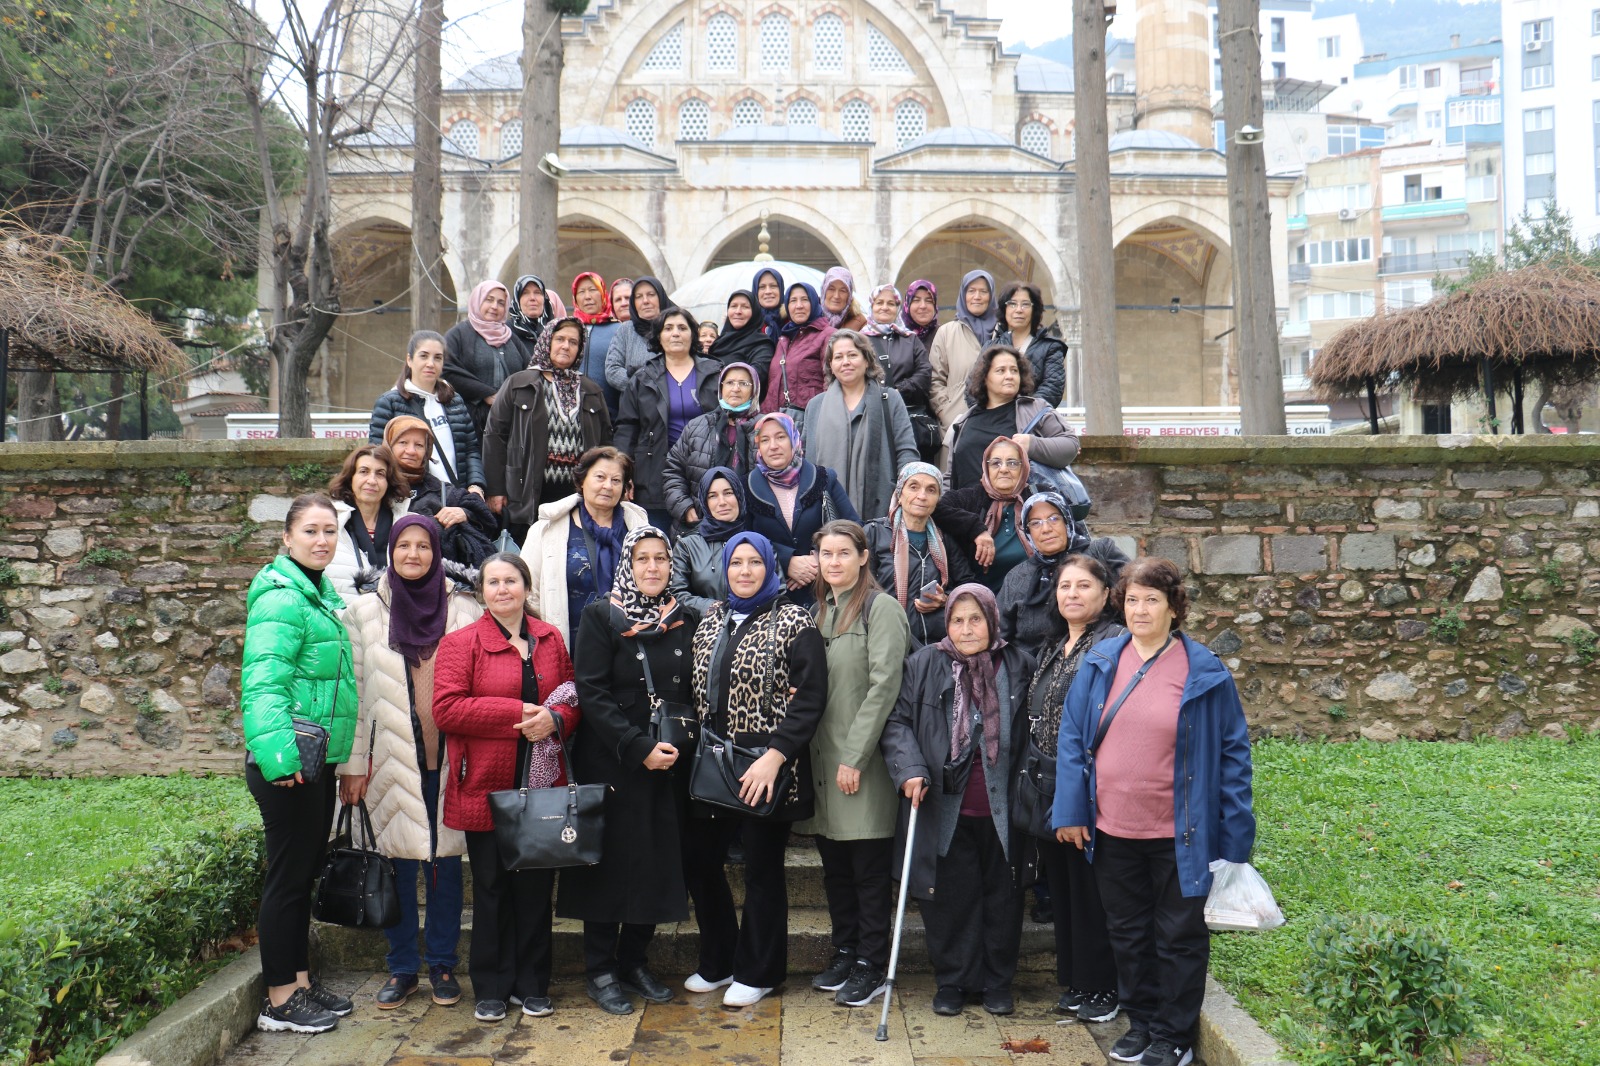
[(598, 137), (707, 296), (1150, 139), (500, 73), (1036, 74), (960, 137)]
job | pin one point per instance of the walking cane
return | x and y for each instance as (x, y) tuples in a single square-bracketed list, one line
[(899, 923)]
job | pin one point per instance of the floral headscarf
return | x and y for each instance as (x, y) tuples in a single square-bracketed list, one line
[(604, 314), (567, 380), (789, 476), (895, 327), (632, 612), (523, 326), (925, 332), (839, 274), (975, 675), (1013, 500)]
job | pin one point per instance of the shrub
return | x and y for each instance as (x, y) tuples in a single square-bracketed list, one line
[(107, 556), (1388, 992), (1449, 626)]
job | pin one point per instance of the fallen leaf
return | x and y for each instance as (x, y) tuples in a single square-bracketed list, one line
[(1024, 1047), (1454, 884)]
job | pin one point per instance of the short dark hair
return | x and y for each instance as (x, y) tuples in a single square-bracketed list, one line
[(340, 485), (689, 319), (978, 379), (1152, 572), (1033, 294), (588, 459), (306, 502)]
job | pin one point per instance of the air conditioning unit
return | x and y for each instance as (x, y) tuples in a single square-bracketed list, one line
[(1532, 46), (1346, 214)]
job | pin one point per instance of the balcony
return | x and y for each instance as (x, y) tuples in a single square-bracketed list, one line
[(1424, 209), (1296, 329), (1419, 263), (1299, 273)]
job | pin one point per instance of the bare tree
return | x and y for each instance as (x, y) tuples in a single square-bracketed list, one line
[(1097, 285), (542, 58), (427, 182)]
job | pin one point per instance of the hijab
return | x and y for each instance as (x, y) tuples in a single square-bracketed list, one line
[(752, 405), (607, 543), (1054, 499), (494, 331), (391, 433), (567, 380), (646, 327), (999, 503), (740, 344), (711, 530), (896, 326), (976, 683), (900, 537), (834, 274), (632, 612), (527, 328), (789, 476), (771, 321), (604, 314), (418, 608), (924, 332), (791, 327), (770, 588), (982, 326)]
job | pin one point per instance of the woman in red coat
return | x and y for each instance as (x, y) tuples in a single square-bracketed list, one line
[(503, 681)]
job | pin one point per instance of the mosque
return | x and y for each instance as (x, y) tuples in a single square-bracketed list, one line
[(894, 137)]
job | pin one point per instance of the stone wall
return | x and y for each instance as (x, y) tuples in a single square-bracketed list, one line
[(1427, 587)]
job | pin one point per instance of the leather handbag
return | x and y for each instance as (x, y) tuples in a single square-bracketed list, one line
[(1035, 793), (358, 886), (1060, 479), (718, 765), (311, 740), (548, 828), (670, 723)]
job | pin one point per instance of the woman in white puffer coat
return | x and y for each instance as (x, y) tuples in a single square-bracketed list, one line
[(395, 627)]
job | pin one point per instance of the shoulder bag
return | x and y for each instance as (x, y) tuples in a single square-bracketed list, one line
[(547, 828), (670, 723), (311, 740), (1044, 478), (358, 886), (719, 764)]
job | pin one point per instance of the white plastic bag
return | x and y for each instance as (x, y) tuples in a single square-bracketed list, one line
[(1240, 899)]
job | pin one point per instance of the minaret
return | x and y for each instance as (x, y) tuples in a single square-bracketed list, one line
[(1172, 68)]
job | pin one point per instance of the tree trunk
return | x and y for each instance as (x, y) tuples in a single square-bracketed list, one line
[(427, 188), (1249, 223), (541, 133), (114, 408), (38, 408), (1097, 287)]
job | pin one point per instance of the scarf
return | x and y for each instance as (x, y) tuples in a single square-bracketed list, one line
[(924, 332), (391, 433), (604, 314), (1056, 672), (837, 273), (751, 405), (771, 321), (983, 325), (711, 530), (741, 344), (1054, 500), (646, 327), (976, 684), (371, 547), (892, 328), (527, 328), (791, 327), (999, 503), (567, 380), (492, 330), (900, 537), (789, 476), (607, 543), (634, 614), (770, 588), (417, 608)]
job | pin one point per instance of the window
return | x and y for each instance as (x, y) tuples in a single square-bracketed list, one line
[(882, 56), (1482, 188), (1477, 79), (775, 54), (1537, 32), (1216, 75), (1435, 418), (802, 112), (722, 42), (1539, 119), (1297, 367), (748, 112), (511, 138), (1539, 163), (1413, 187), (827, 43), (1327, 305), (1407, 75), (1279, 72), (910, 122), (1594, 23), (855, 121), (1430, 78), (1323, 253), (1342, 138), (1476, 241), (1541, 77), (1328, 47), (1433, 120), (639, 120), (668, 52), (1035, 138), (1399, 246), (1276, 35), (1594, 68), (1484, 111), (1407, 293), (464, 137), (694, 120), (1330, 198)]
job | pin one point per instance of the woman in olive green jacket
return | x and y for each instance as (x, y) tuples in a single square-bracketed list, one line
[(867, 636), (297, 665)]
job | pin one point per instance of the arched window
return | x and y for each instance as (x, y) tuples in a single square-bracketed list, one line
[(694, 121), (511, 138), (668, 52), (722, 42), (775, 51), (748, 112), (803, 112), (882, 55), (1035, 138), (827, 43), (855, 121), (910, 122), (464, 137), (640, 122)]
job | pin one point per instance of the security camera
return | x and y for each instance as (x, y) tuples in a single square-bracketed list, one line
[(1248, 135)]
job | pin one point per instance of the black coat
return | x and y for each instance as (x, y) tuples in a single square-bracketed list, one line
[(1027, 598), (905, 367), (469, 369), (1047, 353), (516, 441), (463, 430), (703, 445), (639, 878), (925, 628), (697, 576), (468, 543), (642, 424), (766, 517)]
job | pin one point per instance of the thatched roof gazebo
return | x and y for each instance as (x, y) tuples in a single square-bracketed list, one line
[(54, 320), (1541, 322)]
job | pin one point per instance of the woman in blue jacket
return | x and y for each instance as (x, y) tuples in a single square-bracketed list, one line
[(1153, 782)]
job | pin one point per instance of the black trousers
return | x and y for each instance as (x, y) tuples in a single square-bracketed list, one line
[(615, 949), (855, 877), (1083, 945), (974, 921), (1158, 935), (296, 821), (754, 951), (511, 936)]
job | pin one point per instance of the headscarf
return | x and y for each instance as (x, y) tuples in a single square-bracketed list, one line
[(901, 537), (391, 433), (567, 380), (771, 321), (1055, 500), (982, 326), (632, 612), (999, 503), (792, 327), (770, 588), (646, 327), (523, 326), (834, 274), (607, 543), (789, 476), (604, 314), (494, 331), (417, 608), (976, 684), (753, 404), (709, 528), (892, 328), (739, 343), (611, 296), (924, 332)]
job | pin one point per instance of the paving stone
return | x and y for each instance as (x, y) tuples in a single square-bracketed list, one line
[(1299, 554), (696, 1029), (1367, 551), (1231, 554)]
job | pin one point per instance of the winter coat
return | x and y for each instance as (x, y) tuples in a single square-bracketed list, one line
[(464, 432), (593, 367), (545, 552), (697, 579), (864, 668), (952, 355), (1047, 353), (877, 443), (297, 664), (795, 374), (639, 878), (388, 747), (627, 353), (469, 367), (516, 441), (477, 702), (468, 543), (1027, 597), (916, 743), (810, 514), (1212, 814), (642, 423), (925, 628), (904, 359), (703, 445), (961, 516), (349, 560), (1053, 444)]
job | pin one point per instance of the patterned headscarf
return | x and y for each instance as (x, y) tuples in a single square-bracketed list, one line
[(901, 537), (493, 330), (789, 476), (771, 588), (895, 327), (839, 274), (567, 380), (711, 530), (604, 314), (1055, 500), (523, 326), (632, 612), (976, 683), (925, 332), (982, 326), (998, 503)]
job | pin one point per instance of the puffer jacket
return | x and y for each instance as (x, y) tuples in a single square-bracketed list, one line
[(702, 445), (388, 744), (642, 423), (1047, 352), (297, 664), (348, 560), (463, 430)]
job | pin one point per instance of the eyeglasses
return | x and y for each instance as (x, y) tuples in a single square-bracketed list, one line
[(1015, 306), (1004, 464), (1045, 523)]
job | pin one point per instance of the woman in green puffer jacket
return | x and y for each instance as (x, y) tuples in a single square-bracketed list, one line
[(297, 664)]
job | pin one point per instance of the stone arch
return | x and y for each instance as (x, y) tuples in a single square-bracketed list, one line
[(1208, 224), (1058, 280), (782, 209), (581, 222)]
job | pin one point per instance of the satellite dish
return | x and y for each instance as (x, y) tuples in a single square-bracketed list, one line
[(1300, 135), (1355, 105)]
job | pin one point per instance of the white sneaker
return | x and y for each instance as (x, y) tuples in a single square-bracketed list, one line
[(742, 995), (695, 983)]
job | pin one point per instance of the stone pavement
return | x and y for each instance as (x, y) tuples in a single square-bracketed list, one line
[(799, 1028)]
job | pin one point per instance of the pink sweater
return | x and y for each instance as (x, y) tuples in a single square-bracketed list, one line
[(1134, 766)]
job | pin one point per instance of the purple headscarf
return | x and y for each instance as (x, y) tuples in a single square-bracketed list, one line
[(839, 274), (418, 609), (976, 681), (924, 332)]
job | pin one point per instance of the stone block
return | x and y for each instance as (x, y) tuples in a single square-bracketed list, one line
[(1402, 510), (1187, 513), (1534, 505), (211, 503), (165, 702), (1392, 595), (151, 503), (53, 617), (1309, 598), (90, 504), (1129, 546), (66, 595), (1120, 494), (159, 574), (64, 542), (1380, 732), (1391, 687), (1511, 684), (1411, 629), (1423, 556), (22, 661), (159, 732), (19, 738), (30, 507), (1499, 479), (64, 738), (1486, 587), (107, 641), (1455, 688), (1367, 551), (220, 614), (1335, 511), (1182, 477), (1231, 554), (83, 574), (217, 688), (1226, 642), (1586, 509), (1251, 509), (1352, 591), (40, 698), (125, 594), (1299, 554), (272, 510), (1560, 626), (97, 699), (1401, 473)]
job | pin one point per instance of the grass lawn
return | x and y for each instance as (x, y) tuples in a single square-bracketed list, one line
[(1496, 844)]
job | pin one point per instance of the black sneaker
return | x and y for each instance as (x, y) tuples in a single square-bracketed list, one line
[(999, 1001), (1164, 1052), (641, 981), (1043, 912), (1071, 999), (949, 1000), (1130, 1047), (396, 990), (446, 989), (838, 972), (866, 984), (538, 1006), (1098, 1007), (490, 1010), (329, 1000), (606, 991), (297, 1014)]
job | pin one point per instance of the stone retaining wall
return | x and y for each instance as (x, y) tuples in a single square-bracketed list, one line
[(1427, 587)]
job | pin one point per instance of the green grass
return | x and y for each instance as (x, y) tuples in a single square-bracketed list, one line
[(1495, 844), (60, 838)]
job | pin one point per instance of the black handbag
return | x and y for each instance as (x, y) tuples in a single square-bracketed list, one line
[(311, 740), (357, 887), (548, 828), (926, 428), (1035, 793), (670, 723), (718, 765)]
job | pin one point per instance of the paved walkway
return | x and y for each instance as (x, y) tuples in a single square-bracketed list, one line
[(798, 1028)]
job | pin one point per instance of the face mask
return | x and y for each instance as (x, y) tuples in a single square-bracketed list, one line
[(726, 406)]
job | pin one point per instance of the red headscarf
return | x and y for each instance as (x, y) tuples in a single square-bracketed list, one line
[(604, 314)]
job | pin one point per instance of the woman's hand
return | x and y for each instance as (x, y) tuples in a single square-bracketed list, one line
[(755, 787), (931, 604), (802, 570), (1073, 834), (352, 789), (661, 758), (848, 779), (914, 790), (478, 489), (537, 722), (983, 548), (496, 503), (691, 517), (450, 516), (1022, 440), (290, 782)]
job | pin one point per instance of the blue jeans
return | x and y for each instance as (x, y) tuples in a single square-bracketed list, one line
[(443, 877)]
